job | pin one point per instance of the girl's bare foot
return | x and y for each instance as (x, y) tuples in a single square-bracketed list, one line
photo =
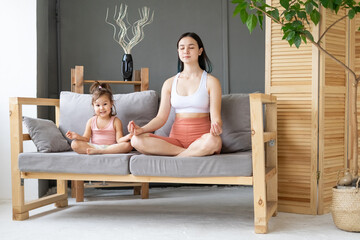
[(92, 151)]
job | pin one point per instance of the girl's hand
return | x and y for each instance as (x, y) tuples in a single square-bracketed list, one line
[(127, 138), (134, 129), (215, 129), (72, 135)]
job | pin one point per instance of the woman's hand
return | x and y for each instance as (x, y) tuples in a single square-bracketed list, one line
[(134, 129), (72, 135), (215, 129)]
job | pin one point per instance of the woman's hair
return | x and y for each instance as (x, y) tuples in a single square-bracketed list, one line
[(98, 89), (203, 59)]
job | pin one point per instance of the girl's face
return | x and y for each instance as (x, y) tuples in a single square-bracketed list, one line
[(188, 50), (102, 106)]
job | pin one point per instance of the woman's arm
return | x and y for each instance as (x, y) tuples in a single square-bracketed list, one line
[(161, 117), (85, 137), (214, 89)]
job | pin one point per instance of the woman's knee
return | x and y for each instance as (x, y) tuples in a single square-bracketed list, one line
[(138, 141), (212, 143)]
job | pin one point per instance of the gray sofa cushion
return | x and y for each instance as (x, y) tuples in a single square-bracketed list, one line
[(45, 135), (235, 114), (231, 164), (76, 109), (71, 162)]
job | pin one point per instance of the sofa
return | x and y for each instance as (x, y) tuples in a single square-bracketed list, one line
[(248, 155)]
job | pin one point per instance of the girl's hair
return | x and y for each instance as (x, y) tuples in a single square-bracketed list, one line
[(203, 59), (98, 89)]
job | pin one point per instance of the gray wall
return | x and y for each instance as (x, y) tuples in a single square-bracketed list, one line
[(237, 56)]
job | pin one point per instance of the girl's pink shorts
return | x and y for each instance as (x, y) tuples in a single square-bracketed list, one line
[(186, 130)]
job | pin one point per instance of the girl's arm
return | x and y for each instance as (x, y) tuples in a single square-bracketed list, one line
[(161, 117), (214, 89), (85, 137), (119, 133)]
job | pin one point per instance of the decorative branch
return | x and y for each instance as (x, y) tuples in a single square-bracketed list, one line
[(333, 24), (120, 29)]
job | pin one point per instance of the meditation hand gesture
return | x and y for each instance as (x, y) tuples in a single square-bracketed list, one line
[(215, 129), (134, 129), (72, 135)]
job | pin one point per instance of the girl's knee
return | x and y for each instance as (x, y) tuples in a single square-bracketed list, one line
[(74, 145)]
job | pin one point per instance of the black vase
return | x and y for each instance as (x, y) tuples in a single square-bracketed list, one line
[(127, 67)]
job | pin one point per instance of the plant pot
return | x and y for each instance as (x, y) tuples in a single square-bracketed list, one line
[(345, 208), (127, 67)]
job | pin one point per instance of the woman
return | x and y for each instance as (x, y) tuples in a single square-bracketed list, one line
[(196, 97)]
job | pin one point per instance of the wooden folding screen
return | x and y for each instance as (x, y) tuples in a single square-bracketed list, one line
[(312, 94)]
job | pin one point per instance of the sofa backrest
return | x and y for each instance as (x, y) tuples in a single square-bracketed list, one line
[(76, 109)]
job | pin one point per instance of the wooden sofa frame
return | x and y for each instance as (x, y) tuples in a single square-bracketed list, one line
[(264, 164)]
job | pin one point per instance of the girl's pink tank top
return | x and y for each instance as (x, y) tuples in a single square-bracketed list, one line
[(105, 136)]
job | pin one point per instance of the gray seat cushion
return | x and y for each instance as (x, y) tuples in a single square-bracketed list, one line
[(231, 164), (71, 162)]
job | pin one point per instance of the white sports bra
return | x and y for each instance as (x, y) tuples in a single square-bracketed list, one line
[(198, 102)]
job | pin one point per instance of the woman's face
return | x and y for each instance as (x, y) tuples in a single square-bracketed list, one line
[(188, 50)]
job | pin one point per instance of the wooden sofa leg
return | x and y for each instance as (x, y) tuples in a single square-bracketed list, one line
[(62, 203), (145, 190), (79, 185), (20, 216), (137, 190), (261, 228)]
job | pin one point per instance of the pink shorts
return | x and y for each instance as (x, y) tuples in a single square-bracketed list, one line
[(186, 130)]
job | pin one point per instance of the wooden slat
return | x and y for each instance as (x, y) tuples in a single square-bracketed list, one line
[(132, 178), (110, 184), (270, 209), (269, 136), (41, 202), (114, 82)]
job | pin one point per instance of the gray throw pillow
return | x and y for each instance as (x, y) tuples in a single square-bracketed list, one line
[(76, 109), (235, 114), (45, 135)]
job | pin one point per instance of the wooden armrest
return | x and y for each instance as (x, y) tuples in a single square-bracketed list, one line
[(34, 101)]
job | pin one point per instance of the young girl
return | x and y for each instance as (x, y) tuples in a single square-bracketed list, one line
[(104, 130), (196, 97)]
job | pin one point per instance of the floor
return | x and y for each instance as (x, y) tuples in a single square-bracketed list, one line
[(188, 212)]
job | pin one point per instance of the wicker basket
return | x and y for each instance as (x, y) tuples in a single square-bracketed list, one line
[(345, 208)]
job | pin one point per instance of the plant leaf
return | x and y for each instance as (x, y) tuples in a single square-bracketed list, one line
[(251, 22), (285, 4), (297, 40), (244, 15), (275, 14), (290, 35), (351, 13), (261, 18), (315, 16), (309, 7)]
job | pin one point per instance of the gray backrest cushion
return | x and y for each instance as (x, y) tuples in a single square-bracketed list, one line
[(165, 130), (235, 114), (76, 109)]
